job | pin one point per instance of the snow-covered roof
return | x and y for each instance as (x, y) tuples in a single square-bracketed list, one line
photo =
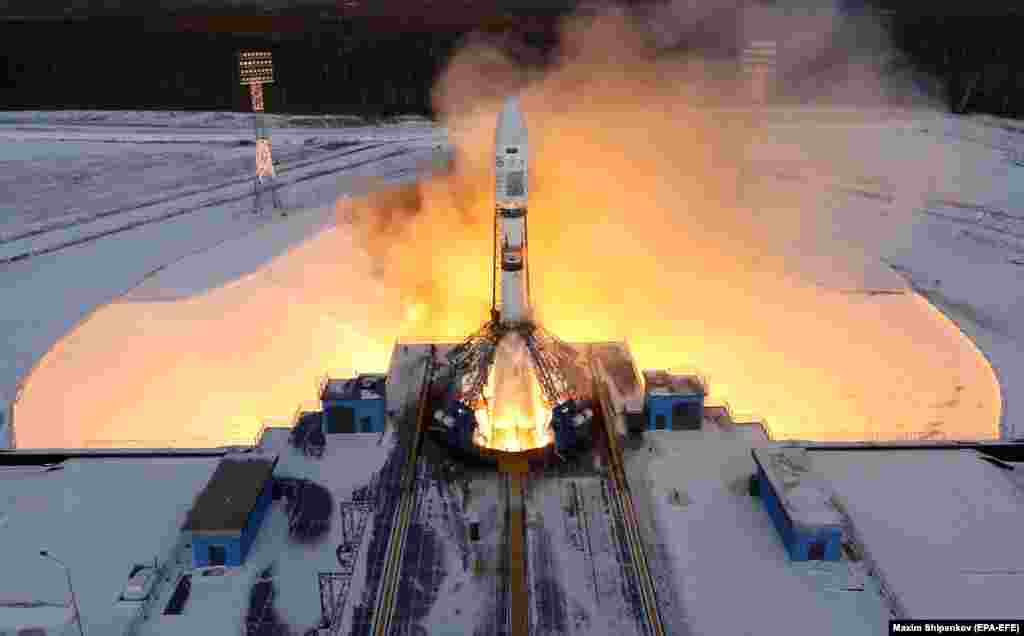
[(217, 604), (720, 554), (367, 386), (803, 494), (664, 383), (943, 525), (98, 516)]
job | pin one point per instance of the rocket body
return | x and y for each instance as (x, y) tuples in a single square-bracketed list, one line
[(510, 198)]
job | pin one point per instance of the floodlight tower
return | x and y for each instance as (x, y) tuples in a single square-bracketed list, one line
[(759, 61), (256, 68)]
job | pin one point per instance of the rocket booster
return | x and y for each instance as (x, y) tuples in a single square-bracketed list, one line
[(510, 196)]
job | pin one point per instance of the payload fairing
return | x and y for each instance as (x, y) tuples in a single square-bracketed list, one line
[(511, 191)]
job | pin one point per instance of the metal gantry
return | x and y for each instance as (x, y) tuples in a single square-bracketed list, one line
[(471, 361)]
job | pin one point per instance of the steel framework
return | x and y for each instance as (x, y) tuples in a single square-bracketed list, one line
[(256, 68), (471, 361)]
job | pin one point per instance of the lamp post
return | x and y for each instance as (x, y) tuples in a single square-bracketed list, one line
[(74, 601)]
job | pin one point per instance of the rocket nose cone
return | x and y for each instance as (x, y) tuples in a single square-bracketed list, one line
[(511, 128)]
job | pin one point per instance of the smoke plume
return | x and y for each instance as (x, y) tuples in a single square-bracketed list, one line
[(657, 214)]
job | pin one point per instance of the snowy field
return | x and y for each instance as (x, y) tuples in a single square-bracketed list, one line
[(942, 525), (719, 553), (117, 170), (198, 281), (123, 512)]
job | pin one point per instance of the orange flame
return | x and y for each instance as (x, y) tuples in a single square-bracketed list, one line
[(514, 416)]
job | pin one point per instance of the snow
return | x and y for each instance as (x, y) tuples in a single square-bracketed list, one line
[(940, 174), (212, 282), (576, 555), (718, 551), (942, 524), (957, 376), (107, 268), (800, 490), (219, 604), (100, 517), (53, 618)]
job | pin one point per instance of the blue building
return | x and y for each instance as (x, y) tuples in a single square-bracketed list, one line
[(227, 514), (799, 504), (673, 402), (354, 405)]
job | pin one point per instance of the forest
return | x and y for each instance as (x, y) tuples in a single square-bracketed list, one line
[(970, 63)]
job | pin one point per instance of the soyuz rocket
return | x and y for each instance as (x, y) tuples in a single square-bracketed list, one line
[(510, 197)]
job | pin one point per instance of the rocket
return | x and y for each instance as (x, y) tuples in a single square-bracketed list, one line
[(510, 197)]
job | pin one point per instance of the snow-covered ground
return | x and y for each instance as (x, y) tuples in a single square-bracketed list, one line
[(100, 517), (299, 306), (182, 200), (941, 525), (219, 604), (939, 200), (580, 580), (715, 547)]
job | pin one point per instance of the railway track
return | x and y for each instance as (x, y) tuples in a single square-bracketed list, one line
[(622, 507), (387, 593)]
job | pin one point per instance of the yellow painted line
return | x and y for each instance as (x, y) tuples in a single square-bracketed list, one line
[(629, 517), (390, 578), (520, 599)]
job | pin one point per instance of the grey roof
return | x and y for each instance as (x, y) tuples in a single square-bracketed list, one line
[(662, 382), (364, 387), (230, 495), (803, 494)]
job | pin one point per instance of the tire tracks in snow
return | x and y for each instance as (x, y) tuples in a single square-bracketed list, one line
[(63, 224), (199, 206)]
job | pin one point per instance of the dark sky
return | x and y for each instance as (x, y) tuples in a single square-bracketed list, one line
[(385, 8)]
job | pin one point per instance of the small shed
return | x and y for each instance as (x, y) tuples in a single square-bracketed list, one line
[(673, 402), (228, 512), (354, 405), (799, 503)]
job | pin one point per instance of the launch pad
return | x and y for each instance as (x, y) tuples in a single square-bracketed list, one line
[(603, 379), (512, 385)]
